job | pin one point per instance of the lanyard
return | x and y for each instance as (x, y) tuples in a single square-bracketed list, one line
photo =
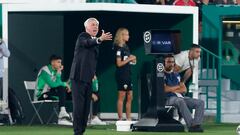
[(191, 66)]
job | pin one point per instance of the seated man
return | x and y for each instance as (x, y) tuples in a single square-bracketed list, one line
[(174, 91), (96, 103), (51, 87)]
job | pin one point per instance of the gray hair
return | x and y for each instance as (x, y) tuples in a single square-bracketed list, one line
[(90, 20)]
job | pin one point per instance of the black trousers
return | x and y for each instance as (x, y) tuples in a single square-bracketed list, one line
[(58, 92), (81, 94), (96, 105)]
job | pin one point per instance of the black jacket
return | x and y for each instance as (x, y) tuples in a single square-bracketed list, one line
[(85, 58)]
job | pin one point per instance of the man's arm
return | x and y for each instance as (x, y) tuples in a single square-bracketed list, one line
[(187, 75), (121, 63), (181, 88), (47, 78), (170, 88), (4, 50), (85, 42), (179, 61)]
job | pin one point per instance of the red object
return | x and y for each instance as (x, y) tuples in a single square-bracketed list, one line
[(182, 3)]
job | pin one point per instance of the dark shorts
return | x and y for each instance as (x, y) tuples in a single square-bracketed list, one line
[(124, 85)]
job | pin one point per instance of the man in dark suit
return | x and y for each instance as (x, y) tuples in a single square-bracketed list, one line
[(83, 70)]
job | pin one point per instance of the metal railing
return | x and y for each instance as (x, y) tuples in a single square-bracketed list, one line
[(210, 75)]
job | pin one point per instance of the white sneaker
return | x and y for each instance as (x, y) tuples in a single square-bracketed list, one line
[(64, 122), (97, 121), (63, 114)]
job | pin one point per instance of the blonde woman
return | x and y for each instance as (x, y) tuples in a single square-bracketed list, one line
[(124, 59)]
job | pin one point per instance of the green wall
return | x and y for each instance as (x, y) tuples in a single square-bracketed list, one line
[(212, 24), (33, 37), (212, 35)]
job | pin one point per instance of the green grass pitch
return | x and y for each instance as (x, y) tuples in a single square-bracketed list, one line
[(210, 129)]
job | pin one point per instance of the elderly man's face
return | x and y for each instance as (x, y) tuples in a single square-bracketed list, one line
[(92, 28)]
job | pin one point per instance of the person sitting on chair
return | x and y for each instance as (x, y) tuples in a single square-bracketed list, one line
[(51, 87), (174, 90), (96, 103)]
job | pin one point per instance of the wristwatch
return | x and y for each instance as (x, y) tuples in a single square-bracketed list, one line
[(99, 41)]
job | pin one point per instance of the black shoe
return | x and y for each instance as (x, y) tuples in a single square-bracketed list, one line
[(196, 128)]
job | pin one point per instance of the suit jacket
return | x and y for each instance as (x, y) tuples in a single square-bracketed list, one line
[(85, 58)]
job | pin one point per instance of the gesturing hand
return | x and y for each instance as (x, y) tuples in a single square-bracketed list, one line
[(105, 36)]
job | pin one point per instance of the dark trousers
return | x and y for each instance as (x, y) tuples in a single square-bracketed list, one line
[(184, 105), (53, 93), (81, 94), (96, 105)]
